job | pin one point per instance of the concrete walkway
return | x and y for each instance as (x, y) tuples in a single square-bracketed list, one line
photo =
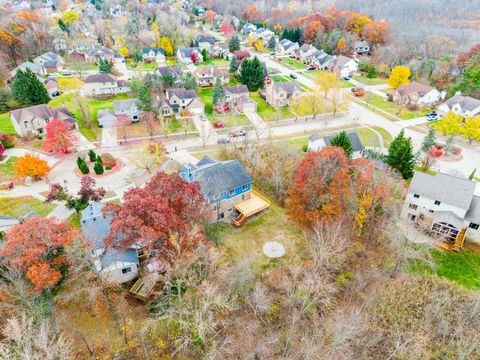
[(109, 136), (262, 128), (82, 142)]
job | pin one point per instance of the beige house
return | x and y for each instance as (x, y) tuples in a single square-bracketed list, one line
[(102, 85), (416, 93), (99, 53), (207, 75), (280, 94), (238, 97), (33, 120), (181, 101)]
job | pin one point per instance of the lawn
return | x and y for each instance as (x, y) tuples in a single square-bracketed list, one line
[(267, 112), (171, 61), (462, 268), (214, 62), (292, 63), (131, 65), (21, 206), (139, 130), (391, 108), (299, 144), (6, 169), (6, 125), (94, 132), (280, 78), (387, 137), (345, 84), (367, 81), (368, 137)]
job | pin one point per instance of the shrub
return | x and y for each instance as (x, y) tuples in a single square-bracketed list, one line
[(435, 152), (98, 167), (456, 150), (108, 160), (7, 141), (82, 165), (305, 148), (439, 146), (108, 167), (92, 156), (412, 107)]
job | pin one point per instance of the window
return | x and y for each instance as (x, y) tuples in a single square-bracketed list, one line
[(221, 216), (411, 217), (437, 202), (474, 226), (431, 211), (245, 187), (412, 206), (230, 210), (126, 270), (421, 217), (25, 123), (416, 196), (232, 192)]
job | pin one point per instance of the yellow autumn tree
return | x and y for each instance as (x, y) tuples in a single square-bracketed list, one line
[(69, 84), (327, 81), (124, 51), (399, 76), (471, 128), (70, 17), (156, 35), (258, 45), (450, 124), (166, 45), (32, 166)]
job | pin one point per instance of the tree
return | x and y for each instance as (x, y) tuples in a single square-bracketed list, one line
[(469, 82), (85, 195), (326, 81), (209, 15), (69, 84), (399, 76), (343, 141), (227, 29), (429, 141), (376, 32), (161, 216), (311, 30), (204, 54), (150, 123), (252, 14), (321, 186), (59, 137), (70, 17), (234, 44), (28, 90), (82, 165), (124, 51), (241, 54), (258, 45), (104, 66), (450, 124), (272, 43), (11, 44), (98, 166), (251, 74), (166, 45), (218, 93), (35, 248), (146, 156), (357, 22), (311, 103), (195, 57), (83, 106), (92, 155), (400, 155), (471, 128), (233, 65), (188, 81), (32, 166)]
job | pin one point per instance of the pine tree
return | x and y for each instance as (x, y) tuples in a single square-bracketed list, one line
[(98, 167), (82, 165), (218, 93), (91, 155), (204, 55), (233, 64), (429, 141), (342, 140), (251, 74), (104, 66), (400, 155), (271, 43), (472, 175), (28, 90), (234, 44), (188, 81)]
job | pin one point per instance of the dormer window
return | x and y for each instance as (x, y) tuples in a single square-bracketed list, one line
[(232, 192), (437, 202), (416, 196)]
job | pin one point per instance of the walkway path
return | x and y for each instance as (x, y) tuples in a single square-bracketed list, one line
[(109, 136), (261, 127)]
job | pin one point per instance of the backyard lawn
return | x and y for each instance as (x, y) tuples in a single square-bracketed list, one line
[(368, 137), (214, 62), (267, 112), (391, 108), (21, 206), (368, 81), (131, 65), (6, 169), (6, 125)]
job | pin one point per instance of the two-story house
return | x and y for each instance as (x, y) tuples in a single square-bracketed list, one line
[(415, 93), (344, 66), (50, 61), (113, 264), (170, 73), (320, 60), (128, 108), (33, 120), (445, 204), (205, 42), (207, 75), (305, 51), (316, 142), (280, 94), (35, 68), (180, 101), (238, 97), (151, 54), (248, 28), (264, 34), (99, 53), (184, 55), (286, 47), (362, 48), (103, 84), (461, 105)]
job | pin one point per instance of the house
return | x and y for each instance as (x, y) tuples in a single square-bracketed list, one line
[(444, 204), (106, 117), (51, 85), (320, 60), (82, 46), (173, 72), (461, 105), (415, 93), (362, 48), (223, 184), (220, 51), (205, 41), (37, 69), (118, 58), (264, 34), (180, 101), (207, 75), (248, 28), (280, 94), (50, 61), (238, 97), (100, 53), (7, 221), (127, 107), (114, 264), (32, 120), (150, 54), (103, 84), (184, 55), (305, 51), (317, 142), (286, 47), (344, 66)]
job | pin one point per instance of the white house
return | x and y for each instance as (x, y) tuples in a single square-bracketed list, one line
[(345, 66), (150, 54), (444, 204), (264, 34), (128, 108), (317, 143), (415, 93), (248, 28), (103, 84), (286, 47), (461, 105), (305, 51), (184, 55)]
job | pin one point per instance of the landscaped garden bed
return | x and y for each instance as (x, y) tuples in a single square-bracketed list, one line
[(21, 206)]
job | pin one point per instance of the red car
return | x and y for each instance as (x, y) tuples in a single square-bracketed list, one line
[(218, 124)]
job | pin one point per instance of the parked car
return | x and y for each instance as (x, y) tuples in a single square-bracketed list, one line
[(432, 116), (358, 92), (223, 140), (293, 76), (348, 78), (236, 133), (312, 68), (203, 117), (352, 89)]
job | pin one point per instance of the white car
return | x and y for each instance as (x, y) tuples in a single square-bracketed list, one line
[(203, 117)]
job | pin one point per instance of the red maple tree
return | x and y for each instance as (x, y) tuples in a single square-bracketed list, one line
[(59, 137), (227, 29), (322, 187), (35, 248), (195, 57), (161, 216)]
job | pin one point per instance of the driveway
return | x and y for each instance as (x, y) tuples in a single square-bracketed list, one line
[(204, 128), (109, 136), (261, 127), (413, 122), (82, 142)]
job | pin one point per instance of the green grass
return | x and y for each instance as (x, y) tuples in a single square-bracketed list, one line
[(214, 62), (6, 125), (292, 63), (94, 132), (280, 78), (88, 66), (387, 137), (391, 108), (367, 81), (462, 268), (267, 112), (368, 137), (141, 65), (21, 206), (6, 169), (298, 144), (74, 220), (171, 61), (345, 84)]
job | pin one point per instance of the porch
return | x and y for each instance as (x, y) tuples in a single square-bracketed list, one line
[(254, 205)]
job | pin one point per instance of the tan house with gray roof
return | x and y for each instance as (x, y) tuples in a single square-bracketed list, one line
[(103, 85), (207, 75), (280, 94), (415, 93)]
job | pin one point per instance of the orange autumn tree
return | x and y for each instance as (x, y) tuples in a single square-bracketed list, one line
[(322, 187), (32, 166), (209, 15), (252, 14), (311, 30), (376, 32), (35, 249)]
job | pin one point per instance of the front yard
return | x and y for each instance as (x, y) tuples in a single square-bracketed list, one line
[(291, 63), (141, 66), (6, 125), (137, 130), (368, 81), (215, 62), (6, 168), (21, 206), (267, 112), (391, 108)]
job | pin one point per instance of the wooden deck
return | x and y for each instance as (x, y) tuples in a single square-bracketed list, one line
[(143, 287), (250, 207)]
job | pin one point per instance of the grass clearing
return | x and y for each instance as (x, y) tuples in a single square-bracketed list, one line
[(21, 206), (298, 144), (6, 168), (131, 65), (391, 108), (368, 137), (368, 81), (387, 137), (280, 78), (6, 125), (269, 113), (215, 62), (292, 63)]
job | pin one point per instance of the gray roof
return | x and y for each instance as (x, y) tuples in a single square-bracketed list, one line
[(361, 44), (342, 61), (238, 89), (216, 177), (28, 65), (156, 50), (466, 102), (473, 214), (205, 38), (43, 111), (99, 78), (113, 255), (122, 105), (448, 217), (289, 87), (173, 71), (354, 139), (446, 188), (106, 117), (186, 52), (182, 93), (100, 51), (50, 59)]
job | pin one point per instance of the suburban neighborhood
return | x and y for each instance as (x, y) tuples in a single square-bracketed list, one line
[(213, 180)]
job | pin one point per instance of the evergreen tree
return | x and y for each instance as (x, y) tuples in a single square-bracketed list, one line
[(271, 43), (204, 55), (342, 140), (472, 175), (251, 74), (233, 64), (28, 90), (98, 167), (234, 44), (145, 97), (218, 93), (400, 155), (82, 165), (91, 155), (104, 66), (429, 141), (188, 81)]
